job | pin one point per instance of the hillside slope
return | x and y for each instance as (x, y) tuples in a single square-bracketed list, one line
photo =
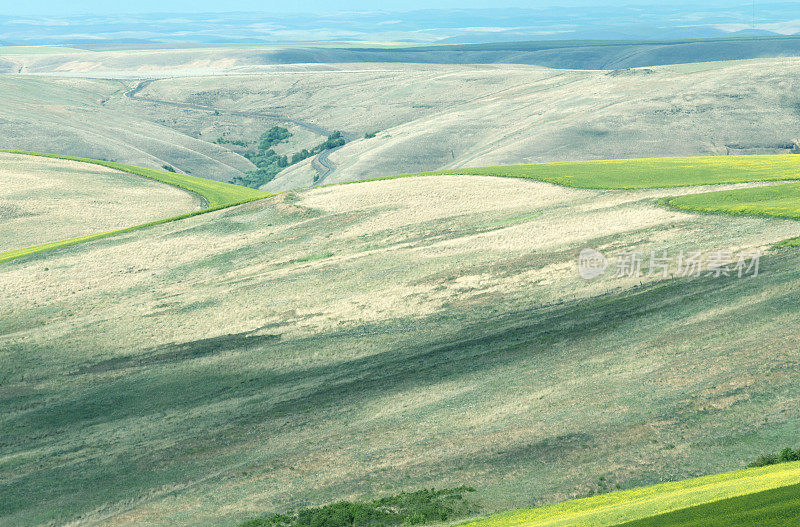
[(428, 117), (363, 339), (32, 108), (208, 196), (46, 200), (559, 54)]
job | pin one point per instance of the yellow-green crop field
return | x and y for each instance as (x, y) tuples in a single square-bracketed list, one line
[(653, 172), (782, 200), (775, 507), (639, 503), (778, 200)]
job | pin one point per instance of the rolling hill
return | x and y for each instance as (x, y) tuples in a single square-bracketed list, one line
[(41, 194), (560, 54), (90, 199), (427, 116), (363, 339)]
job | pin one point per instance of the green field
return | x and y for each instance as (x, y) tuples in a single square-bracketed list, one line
[(661, 172), (748, 494), (216, 194), (776, 508), (781, 200)]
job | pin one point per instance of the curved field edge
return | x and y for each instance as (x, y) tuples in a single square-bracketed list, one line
[(774, 201), (644, 502), (775, 507), (216, 195)]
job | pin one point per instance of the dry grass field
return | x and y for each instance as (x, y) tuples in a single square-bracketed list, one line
[(32, 108), (363, 339), (44, 200)]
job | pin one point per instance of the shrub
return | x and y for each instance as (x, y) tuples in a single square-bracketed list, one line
[(301, 155), (168, 168), (786, 455), (407, 508), (268, 163), (335, 140), (273, 136), (236, 142), (273, 520)]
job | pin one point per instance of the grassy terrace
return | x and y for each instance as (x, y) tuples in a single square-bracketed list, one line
[(676, 501), (216, 194)]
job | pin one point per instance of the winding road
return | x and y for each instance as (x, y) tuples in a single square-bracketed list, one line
[(323, 165)]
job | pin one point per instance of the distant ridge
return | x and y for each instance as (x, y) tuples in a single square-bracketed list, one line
[(566, 54), (558, 54)]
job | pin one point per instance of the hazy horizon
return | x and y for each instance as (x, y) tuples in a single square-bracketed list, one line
[(57, 24), (103, 7)]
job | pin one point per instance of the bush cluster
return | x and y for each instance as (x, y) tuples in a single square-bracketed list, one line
[(237, 142), (408, 508), (786, 455), (272, 137), (269, 163)]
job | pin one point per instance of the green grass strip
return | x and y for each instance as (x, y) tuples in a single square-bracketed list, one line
[(634, 504), (661, 172), (216, 194)]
